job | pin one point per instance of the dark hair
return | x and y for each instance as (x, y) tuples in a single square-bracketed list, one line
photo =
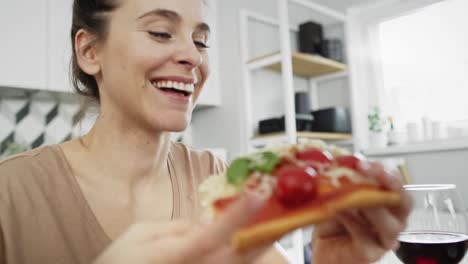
[(91, 16)]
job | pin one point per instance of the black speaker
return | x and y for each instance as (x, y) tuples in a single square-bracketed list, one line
[(302, 104), (333, 49), (304, 122), (311, 38), (333, 119)]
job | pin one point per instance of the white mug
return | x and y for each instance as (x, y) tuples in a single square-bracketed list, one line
[(437, 130), (413, 131)]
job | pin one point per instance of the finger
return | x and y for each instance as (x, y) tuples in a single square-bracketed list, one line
[(234, 218), (370, 168), (364, 242), (329, 229), (228, 256), (389, 180), (402, 212), (392, 181), (253, 255), (158, 230), (386, 225)]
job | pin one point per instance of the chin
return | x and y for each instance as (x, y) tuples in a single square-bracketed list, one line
[(175, 124), (177, 127)]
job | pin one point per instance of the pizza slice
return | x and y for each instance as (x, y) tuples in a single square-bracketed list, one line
[(303, 184)]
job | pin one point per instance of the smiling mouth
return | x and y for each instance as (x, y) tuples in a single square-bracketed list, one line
[(175, 87)]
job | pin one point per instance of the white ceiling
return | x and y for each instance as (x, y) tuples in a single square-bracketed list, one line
[(342, 5)]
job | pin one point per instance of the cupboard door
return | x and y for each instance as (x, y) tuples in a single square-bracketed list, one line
[(211, 93), (23, 51), (59, 45)]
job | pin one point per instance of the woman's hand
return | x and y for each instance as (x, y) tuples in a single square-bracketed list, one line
[(183, 242), (363, 236)]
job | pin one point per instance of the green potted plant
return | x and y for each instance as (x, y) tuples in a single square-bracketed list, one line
[(377, 135), (13, 149)]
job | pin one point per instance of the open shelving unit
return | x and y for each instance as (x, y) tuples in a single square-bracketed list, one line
[(304, 65), (262, 140), (289, 63)]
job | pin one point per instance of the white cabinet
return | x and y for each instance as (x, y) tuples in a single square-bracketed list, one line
[(35, 47), (59, 45), (211, 93), (23, 44)]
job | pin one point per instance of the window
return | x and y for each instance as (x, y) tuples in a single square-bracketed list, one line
[(425, 64)]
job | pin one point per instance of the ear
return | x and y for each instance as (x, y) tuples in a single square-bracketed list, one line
[(86, 52)]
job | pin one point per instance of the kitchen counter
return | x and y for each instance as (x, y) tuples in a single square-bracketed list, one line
[(421, 147)]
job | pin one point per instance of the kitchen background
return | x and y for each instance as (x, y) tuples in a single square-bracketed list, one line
[(393, 71)]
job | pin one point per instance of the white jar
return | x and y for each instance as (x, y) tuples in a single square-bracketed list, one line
[(378, 139)]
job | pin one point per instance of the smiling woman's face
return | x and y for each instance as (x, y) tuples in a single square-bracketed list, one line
[(153, 62)]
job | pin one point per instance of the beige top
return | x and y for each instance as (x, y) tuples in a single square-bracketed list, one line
[(45, 218)]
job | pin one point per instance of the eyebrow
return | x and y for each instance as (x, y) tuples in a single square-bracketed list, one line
[(173, 17)]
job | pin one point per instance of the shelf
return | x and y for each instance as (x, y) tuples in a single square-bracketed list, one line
[(263, 140), (305, 65), (421, 147)]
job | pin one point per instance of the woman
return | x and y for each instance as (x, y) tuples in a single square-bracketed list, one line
[(124, 193)]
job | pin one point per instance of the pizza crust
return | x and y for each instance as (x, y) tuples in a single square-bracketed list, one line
[(268, 232)]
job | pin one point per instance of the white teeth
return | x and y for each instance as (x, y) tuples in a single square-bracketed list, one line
[(189, 88), (174, 85)]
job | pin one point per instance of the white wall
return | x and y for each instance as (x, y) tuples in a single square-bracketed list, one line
[(434, 167), (226, 123), (441, 167)]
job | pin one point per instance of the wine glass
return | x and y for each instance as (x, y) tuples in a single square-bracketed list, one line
[(437, 231)]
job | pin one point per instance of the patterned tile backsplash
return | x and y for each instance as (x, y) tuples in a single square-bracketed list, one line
[(32, 119)]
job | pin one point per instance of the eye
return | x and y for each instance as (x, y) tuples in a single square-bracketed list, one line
[(201, 45), (160, 35)]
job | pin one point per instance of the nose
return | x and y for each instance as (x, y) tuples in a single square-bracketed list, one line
[(188, 55)]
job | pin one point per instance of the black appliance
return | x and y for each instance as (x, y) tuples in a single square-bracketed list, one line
[(311, 38), (276, 125), (333, 49), (302, 103), (333, 119)]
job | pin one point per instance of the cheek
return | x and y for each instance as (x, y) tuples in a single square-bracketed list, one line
[(203, 72), (205, 68), (150, 58)]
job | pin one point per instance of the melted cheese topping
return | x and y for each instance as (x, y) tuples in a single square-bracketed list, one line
[(336, 173), (311, 143), (216, 186), (213, 188)]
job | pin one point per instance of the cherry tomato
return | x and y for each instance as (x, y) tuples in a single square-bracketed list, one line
[(349, 161), (314, 155), (296, 185)]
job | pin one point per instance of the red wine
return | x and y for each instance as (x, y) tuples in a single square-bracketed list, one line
[(429, 247)]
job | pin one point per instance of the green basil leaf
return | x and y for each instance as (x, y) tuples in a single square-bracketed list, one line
[(265, 162), (238, 171)]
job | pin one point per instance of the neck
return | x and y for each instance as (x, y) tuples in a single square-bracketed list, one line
[(126, 154)]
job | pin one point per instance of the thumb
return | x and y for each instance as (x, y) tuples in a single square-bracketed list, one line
[(234, 217)]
